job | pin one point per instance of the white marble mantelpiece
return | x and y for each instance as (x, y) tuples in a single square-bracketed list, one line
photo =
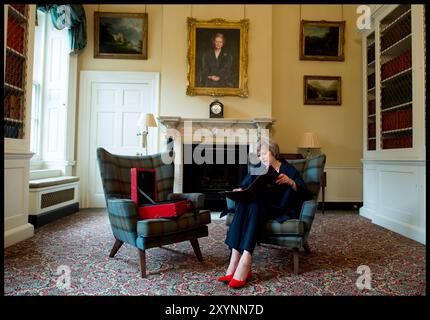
[(176, 122), (240, 130)]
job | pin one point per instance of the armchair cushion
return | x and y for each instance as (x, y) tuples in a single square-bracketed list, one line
[(164, 226), (123, 219), (198, 199)]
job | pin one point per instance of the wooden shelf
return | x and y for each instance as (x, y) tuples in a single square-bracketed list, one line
[(395, 77), (371, 138), (371, 115), (399, 106), (13, 88), (16, 14), (371, 89), (371, 64), (398, 47), (397, 130), (15, 53), (13, 120), (396, 20)]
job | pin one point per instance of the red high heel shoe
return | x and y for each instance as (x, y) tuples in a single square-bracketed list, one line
[(226, 278), (239, 283)]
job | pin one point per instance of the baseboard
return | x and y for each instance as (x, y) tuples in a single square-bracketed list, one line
[(49, 216), (18, 234), (407, 230), (344, 206)]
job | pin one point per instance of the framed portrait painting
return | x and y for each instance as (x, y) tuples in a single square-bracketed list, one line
[(322, 90), (120, 35), (217, 57), (322, 40)]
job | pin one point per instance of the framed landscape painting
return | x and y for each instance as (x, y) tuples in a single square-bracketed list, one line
[(120, 35), (217, 57), (322, 90), (322, 40)]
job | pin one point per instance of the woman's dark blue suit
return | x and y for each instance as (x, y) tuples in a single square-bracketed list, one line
[(281, 202)]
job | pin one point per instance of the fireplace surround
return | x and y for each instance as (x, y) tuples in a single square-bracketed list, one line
[(183, 135)]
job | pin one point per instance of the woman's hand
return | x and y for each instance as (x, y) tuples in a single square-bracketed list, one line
[(284, 179), (237, 189)]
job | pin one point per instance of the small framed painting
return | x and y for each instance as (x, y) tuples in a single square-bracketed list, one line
[(120, 35), (322, 40), (322, 90)]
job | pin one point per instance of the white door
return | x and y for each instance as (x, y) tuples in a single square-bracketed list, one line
[(115, 108)]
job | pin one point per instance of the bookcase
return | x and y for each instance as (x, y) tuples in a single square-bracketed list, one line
[(18, 31), (394, 119), (15, 70), (389, 83)]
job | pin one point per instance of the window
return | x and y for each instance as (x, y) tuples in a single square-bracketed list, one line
[(36, 99), (49, 105), (35, 121)]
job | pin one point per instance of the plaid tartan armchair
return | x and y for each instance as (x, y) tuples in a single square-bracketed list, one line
[(123, 215), (293, 234)]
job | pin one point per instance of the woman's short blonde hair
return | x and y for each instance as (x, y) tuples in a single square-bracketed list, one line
[(271, 145)]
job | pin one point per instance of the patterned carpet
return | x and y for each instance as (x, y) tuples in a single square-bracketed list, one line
[(339, 243)]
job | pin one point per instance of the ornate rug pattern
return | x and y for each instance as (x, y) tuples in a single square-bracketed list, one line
[(340, 243)]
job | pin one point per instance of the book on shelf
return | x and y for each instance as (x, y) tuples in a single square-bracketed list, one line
[(15, 35), (371, 53), (398, 64), (404, 141), (371, 144), (370, 81), (396, 33), (371, 130), (398, 92), (14, 70), (371, 107), (12, 106), (397, 119)]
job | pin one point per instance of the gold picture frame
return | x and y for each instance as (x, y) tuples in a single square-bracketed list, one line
[(322, 90), (322, 40), (120, 35), (204, 76)]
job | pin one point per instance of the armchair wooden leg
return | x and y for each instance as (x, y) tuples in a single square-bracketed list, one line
[(306, 247), (296, 260), (115, 248), (196, 247), (142, 258)]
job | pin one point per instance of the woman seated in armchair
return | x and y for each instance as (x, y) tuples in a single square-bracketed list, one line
[(281, 202)]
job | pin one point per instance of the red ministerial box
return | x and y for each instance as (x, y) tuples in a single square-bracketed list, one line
[(145, 180), (165, 209)]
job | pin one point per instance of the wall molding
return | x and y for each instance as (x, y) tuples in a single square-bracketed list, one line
[(344, 183)]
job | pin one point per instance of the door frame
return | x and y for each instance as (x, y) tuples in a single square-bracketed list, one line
[(87, 78)]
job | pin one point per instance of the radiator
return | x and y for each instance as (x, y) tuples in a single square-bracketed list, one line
[(53, 197)]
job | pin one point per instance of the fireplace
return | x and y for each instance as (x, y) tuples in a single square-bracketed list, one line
[(224, 167)]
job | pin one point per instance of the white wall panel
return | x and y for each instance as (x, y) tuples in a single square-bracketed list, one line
[(105, 129)]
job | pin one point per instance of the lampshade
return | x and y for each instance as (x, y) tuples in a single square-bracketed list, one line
[(309, 140), (146, 120)]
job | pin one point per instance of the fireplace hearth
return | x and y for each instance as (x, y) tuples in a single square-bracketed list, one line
[(223, 170)]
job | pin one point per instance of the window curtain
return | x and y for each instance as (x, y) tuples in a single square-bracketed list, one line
[(70, 16)]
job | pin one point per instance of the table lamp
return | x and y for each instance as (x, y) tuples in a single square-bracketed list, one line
[(309, 141), (145, 121)]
